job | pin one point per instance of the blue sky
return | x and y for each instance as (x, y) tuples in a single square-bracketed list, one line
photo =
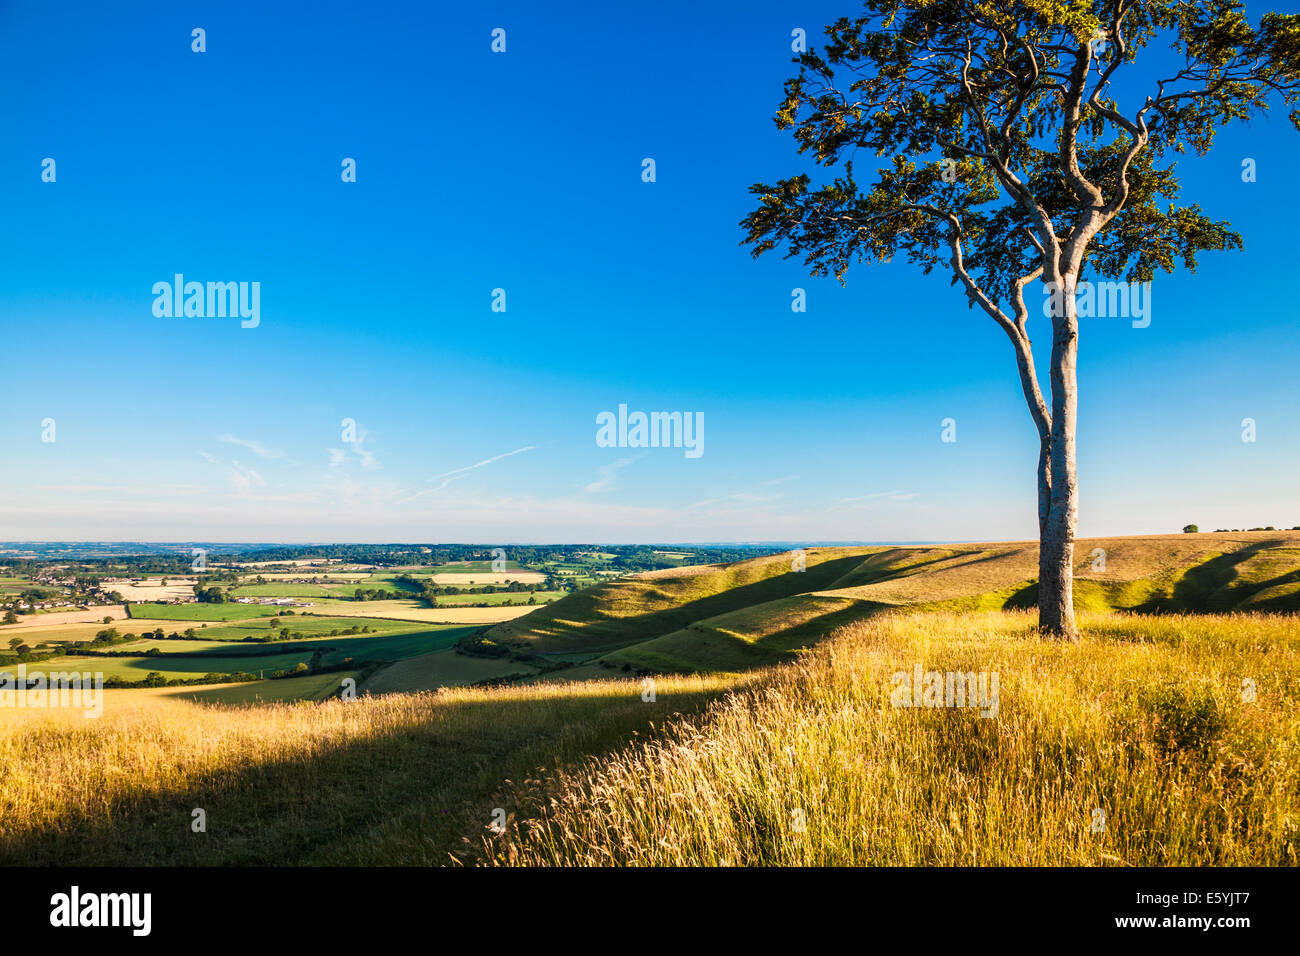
[(522, 171)]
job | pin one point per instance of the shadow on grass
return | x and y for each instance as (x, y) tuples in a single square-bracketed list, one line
[(607, 633), (1215, 585), (341, 803), (275, 655), (1211, 586)]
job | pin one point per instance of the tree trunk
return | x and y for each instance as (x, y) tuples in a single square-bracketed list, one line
[(1044, 483), (1056, 538)]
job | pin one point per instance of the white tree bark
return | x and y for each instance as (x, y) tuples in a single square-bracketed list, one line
[(1056, 537)]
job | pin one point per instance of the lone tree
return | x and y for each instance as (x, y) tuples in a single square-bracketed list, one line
[(1024, 147)]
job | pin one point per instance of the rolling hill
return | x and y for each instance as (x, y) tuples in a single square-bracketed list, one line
[(1182, 727), (752, 613)]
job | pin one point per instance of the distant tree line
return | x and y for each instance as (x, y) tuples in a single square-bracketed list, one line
[(1193, 529)]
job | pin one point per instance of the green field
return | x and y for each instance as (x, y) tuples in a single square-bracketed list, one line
[(518, 597), (386, 582), (274, 589), (186, 659), (309, 625), (202, 612), (314, 687), (346, 607), (443, 668), (178, 666), (168, 646)]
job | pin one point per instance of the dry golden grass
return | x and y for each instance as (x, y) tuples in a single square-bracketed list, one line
[(152, 589), (480, 578), (806, 763), (41, 633), (94, 615), (1145, 721), (415, 611), (392, 779)]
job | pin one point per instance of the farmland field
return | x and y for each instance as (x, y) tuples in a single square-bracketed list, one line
[(60, 633), (175, 666), (503, 597), (174, 590), (418, 611), (333, 577), (203, 612), (466, 579), (260, 627), (287, 590), (186, 659), (166, 646), (52, 618), (387, 582)]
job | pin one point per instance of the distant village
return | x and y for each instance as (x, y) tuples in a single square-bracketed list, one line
[(87, 593)]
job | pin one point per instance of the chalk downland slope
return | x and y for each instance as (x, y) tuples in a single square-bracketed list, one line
[(656, 603), (752, 613)]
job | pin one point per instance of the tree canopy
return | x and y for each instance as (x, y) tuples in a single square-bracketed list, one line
[(1022, 141), (1007, 143)]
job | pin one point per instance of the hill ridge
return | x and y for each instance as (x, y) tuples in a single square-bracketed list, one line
[(758, 611)]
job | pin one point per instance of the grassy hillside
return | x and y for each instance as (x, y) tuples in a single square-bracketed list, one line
[(1145, 720), (659, 602), (1137, 747), (388, 779), (752, 613)]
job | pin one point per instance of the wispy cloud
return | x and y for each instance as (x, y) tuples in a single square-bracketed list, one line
[(890, 495), (356, 445), (876, 499), (746, 497), (253, 445), (245, 478), (367, 458), (242, 478), (736, 497), (606, 473), (447, 477)]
